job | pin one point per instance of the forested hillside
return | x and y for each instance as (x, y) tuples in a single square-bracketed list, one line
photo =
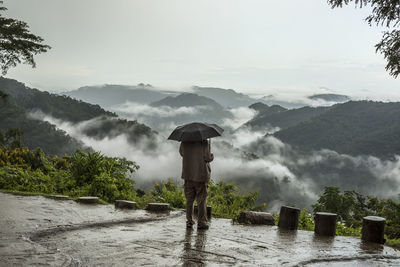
[(60, 107), (20, 101), (284, 119), (36, 133), (266, 110), (362, 127)]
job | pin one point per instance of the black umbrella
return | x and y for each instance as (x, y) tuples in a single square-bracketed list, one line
[(196, 131)]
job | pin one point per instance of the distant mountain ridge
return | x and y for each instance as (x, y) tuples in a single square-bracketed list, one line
[(202, 108), (109, 95), (187, 100), (226, 97)]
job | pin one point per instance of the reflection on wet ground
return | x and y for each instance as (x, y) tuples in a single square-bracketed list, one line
[(162, 241)]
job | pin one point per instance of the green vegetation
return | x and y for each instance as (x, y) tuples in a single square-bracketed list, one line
[(351, 207), (78, 175)]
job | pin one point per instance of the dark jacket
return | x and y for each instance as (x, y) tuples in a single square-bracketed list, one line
[(196, 158)]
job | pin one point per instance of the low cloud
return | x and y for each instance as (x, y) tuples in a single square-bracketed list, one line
[(253, 161), (239, 117), (140, 110)]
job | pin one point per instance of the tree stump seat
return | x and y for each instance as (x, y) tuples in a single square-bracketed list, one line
[(289, 218), (125, 204), (88, 200), (325, 224), (157, 207), (373, 228), (59, 197)]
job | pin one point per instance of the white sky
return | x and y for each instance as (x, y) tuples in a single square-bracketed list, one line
[(252, 46)]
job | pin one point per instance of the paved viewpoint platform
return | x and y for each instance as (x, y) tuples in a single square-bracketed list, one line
[(41, 231)]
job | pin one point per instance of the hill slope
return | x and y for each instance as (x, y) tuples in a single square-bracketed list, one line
[(285, 118), (36, 133), (22, 100), (60, 107), (362, 127), (187, 100)]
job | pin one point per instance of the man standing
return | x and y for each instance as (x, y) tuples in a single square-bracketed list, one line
[(196, 158)]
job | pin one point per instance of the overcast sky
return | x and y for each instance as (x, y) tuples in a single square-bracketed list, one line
[(252, 46)]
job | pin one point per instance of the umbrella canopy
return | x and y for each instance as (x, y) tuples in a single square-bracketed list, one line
[(196, 131)]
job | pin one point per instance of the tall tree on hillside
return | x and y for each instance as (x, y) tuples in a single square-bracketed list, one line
[(385, 13), (17, 44)]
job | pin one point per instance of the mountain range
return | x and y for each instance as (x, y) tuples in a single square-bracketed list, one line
[(353, 127)]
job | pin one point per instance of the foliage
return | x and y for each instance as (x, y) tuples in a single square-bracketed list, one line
[(168, 192), (102, 176), (94, 174), (31, 160), (228, 202), (333, 201), (17, 43), (351, 207), (81, 174), (225, 199), (385, 13), (306, 221), (11, 138)]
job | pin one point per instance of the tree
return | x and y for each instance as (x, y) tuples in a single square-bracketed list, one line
[(17, 43), (385, 13)]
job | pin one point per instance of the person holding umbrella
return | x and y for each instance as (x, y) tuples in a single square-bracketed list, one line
[(196, 154)]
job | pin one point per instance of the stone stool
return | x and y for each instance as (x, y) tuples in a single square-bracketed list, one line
[(157, 207), (289, 218), (125, 204), (373, 228), (88, 200), (252, 217), (325, 223), (59, 197)]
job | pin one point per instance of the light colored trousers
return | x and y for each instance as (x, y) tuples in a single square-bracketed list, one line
[(198, 191)]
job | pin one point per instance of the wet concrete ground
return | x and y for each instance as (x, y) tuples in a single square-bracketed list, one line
[(40, 231)]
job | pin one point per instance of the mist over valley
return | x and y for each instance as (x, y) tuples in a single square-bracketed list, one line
[(256, 152)]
